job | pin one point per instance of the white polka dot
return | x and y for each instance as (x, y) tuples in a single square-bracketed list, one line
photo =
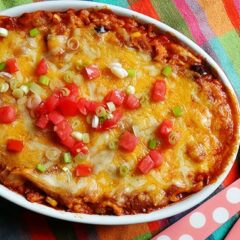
[(197, 220), (186, 237), (220, 215), (233, 195), (164, 237)]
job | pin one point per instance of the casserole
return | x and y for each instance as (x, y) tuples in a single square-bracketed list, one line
[(174, 208)]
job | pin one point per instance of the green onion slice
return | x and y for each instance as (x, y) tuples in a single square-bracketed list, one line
[(177, 111), (44, 80), (152, 143), (41, 168), (131, 72), (67, 158), (33, 32), (123, 171), (2, 66), (112, 145), (167, 71)]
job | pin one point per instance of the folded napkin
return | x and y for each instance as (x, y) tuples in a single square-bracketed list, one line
[(212, 24)]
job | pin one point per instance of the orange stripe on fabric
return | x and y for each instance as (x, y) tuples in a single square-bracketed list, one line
[(232, 13), (157, 225), (233, 175), (145, 7), (125, 232), (36, 225), (217, 16)]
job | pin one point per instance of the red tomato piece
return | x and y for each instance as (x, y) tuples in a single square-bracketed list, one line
[(145, 164), (163, 39), (132, 102), (156, 157), (110, 123), (12, 65), (158, 91), (63, 129), (42, 67), (55, 117), (79, 147), (83, 170), (74, 93), (51, 103), (68, 107), (7, 114), (165, 128), (128, 141), (42, 122), (93, 105), (92, 72), (14, 145), (68, 142), (115, 96), (82, 106)]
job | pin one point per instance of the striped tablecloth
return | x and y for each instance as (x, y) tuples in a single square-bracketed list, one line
[(212, 24)]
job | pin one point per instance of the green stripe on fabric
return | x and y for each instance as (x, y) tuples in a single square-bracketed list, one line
[(221, 232), (230, 41), (120, 3), (62, 230), (170, 15), (11, 3), (145, 236)]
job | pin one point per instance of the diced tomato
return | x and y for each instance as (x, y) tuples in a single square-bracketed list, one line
[(42, 67), (12, 65), (92, 72), (68, 142), (145, 164), (42, 122), (55, 117), (156, 157), (51, 103), (115, 96), (110, 123), (158, 91), (7, 114), (163, 39), (83, 170), (63, 129), (14, 145), (132, 102), (128, 141), (74, 93), (68, 107), (93, 105), (79, 147), (82, 106), (165, 128)]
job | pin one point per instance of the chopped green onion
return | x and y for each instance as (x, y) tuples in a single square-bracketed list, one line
[(75, 123), (152, 143), (35, 88), (111, 106), (89, 119), (65, 169), (17, 93), (130, 89), (79, 65), (68, 77), (2, 66), (131, 72), (77, 135), (173, 137), (177, 111), (67, 158), (4, 87), (103, 119), (41, 168), (85, 138), (112, 145), (33, 32), (101, 111), (167, 71), (44, 80), (25, 89), (123, 171)]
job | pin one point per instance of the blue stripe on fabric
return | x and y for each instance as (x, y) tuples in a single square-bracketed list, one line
[(226, 64), (120, 3)]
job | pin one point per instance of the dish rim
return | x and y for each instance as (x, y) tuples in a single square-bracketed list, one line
[(167, 211)]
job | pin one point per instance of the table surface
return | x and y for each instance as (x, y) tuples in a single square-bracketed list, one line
[(212, 24)]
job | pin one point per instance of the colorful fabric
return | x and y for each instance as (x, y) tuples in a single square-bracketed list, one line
[(212, 24)]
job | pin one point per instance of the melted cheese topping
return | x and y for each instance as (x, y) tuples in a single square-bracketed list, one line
[(179, 165)]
